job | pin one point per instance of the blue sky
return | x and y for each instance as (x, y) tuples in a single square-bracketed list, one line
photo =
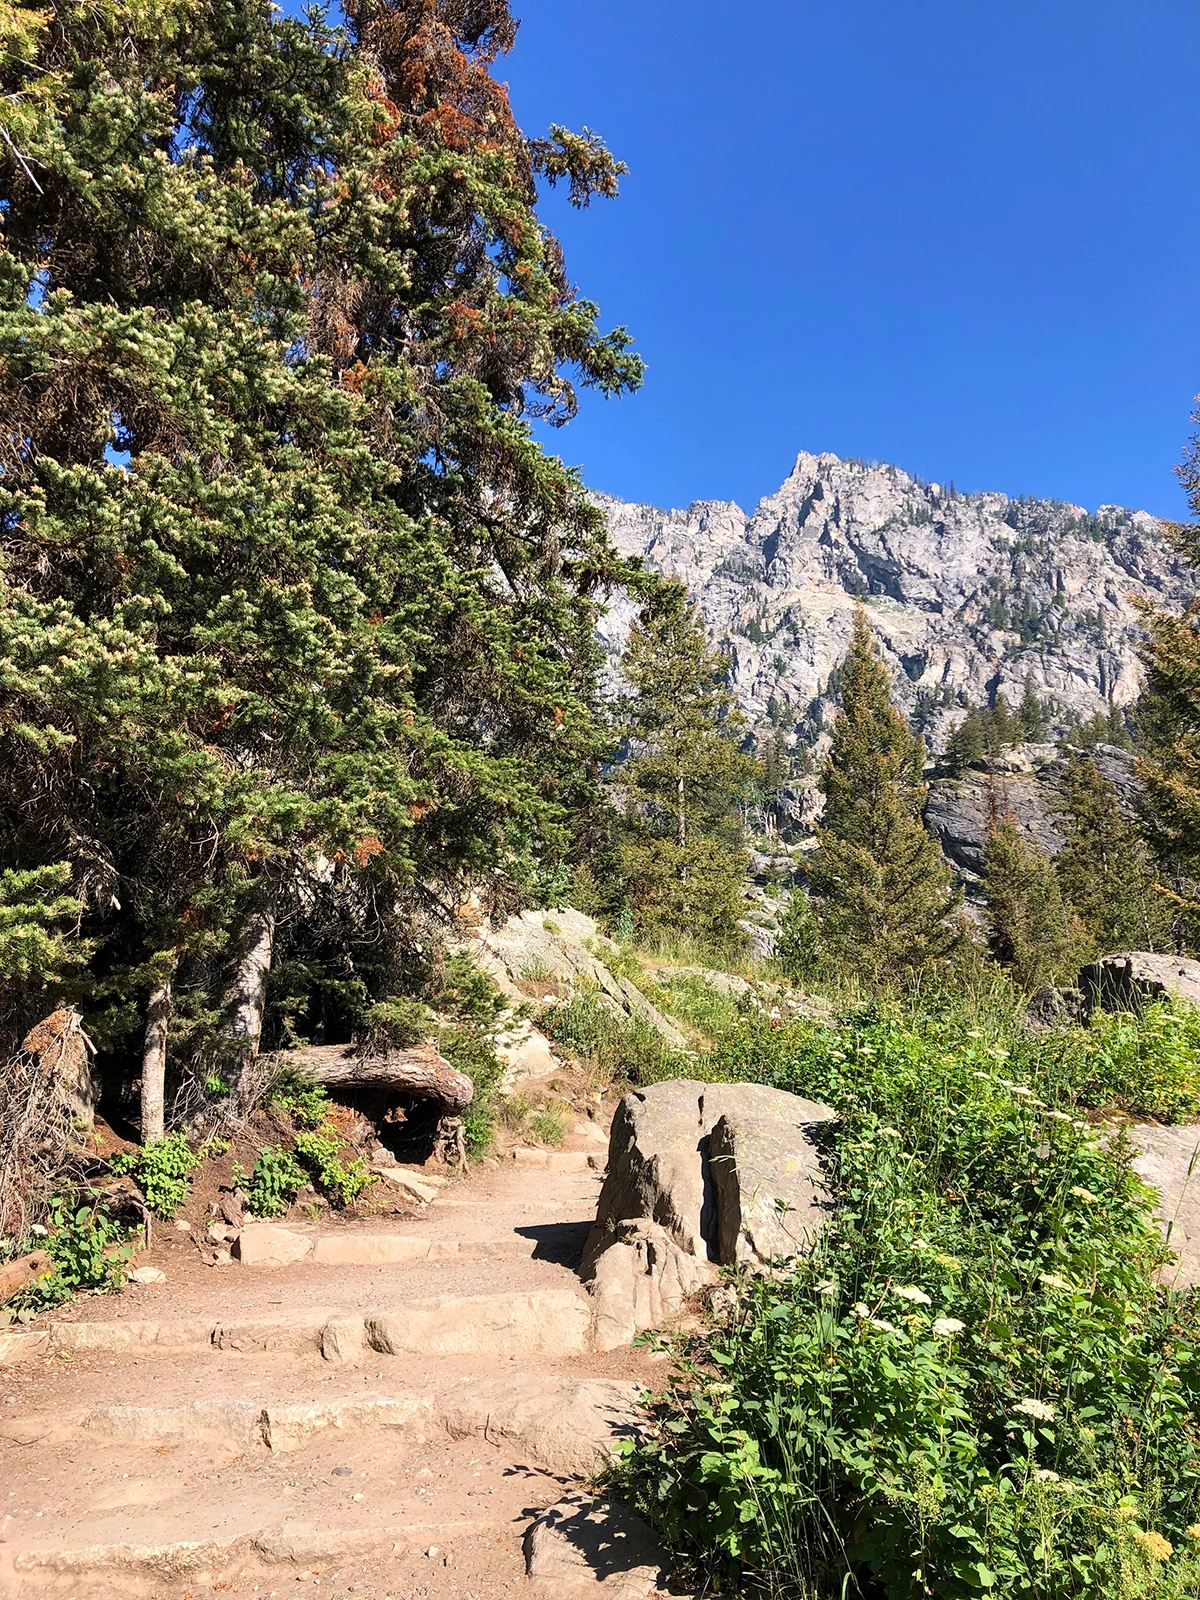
[(959, 237)]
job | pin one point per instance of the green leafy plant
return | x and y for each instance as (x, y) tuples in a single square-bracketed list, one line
[(162, 1170), (306, 1100), (342, 1180), (275, 1182), (89, 1247)]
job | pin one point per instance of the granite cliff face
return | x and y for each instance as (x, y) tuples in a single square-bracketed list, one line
[(968, 595)]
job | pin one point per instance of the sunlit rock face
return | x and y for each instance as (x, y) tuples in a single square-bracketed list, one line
[(968, 595)]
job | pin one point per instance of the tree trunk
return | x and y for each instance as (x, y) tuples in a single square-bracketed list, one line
[(420, 1071), (154, 1064), (250, 981)]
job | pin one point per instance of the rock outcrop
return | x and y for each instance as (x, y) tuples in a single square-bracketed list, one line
[(1137, 978), (558, 953), (699, 1175), (1168, 1159), (968, 595), (1026, 782)]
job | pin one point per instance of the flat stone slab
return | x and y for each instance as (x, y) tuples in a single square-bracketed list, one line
[(586, 1545), (570, 1425), (541, 1322), (1169, 1160)]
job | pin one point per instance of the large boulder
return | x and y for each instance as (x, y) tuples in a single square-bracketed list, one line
[(764, 1156), (1136, 978), (1168, 1159), (656, 1168), (641, 1279), (700, 1174)]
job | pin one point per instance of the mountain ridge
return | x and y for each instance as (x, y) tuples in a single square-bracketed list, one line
[(968, 595)]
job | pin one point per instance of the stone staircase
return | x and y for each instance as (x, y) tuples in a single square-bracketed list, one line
[(385, 1411)]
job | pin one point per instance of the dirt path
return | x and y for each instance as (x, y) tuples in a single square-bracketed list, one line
[(377, 1430)]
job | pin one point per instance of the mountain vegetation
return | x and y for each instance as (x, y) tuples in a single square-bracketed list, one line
[(681, 858), (296, 618), (887, 907), (312, 657)]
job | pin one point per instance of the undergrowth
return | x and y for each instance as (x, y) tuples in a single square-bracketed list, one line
[(163, 1171), (972, 1387), (89, 1248)]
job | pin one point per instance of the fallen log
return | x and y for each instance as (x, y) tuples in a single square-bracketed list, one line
[(420, 1071), (19, 1274)]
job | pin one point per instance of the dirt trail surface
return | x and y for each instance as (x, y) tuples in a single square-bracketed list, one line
[(389, 1431)]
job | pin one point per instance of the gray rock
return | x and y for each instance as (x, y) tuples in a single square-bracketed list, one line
[(772, 1199), (565, 949), (968, 595), (1169, 1160), (958, 810), (699, 1174), (656, 1169), (641, 1279), (587, 1545), (1135, 978)]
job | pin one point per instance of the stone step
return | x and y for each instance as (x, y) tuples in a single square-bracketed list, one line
[(551, 1322), (566, 1424), (266, 1244), (282, 1543)]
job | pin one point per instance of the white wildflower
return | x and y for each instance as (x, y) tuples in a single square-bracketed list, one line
[(1021, 1089), (1081, 1193), (1060, 1116), (1052, 1280), (36, 1228), (861, 1310), (986, 1076), (947, 1327), (827, 1286), (891, 1133), (883, 1325), (909, 1291), (1044, 1475), (920, 1244), (1039, 1410)]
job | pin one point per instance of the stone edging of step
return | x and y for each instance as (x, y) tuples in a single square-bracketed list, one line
[(567, 1424), (531, 1322), (288, 1543)]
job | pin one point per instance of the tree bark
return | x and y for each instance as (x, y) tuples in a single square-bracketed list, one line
[(421, 1072), (250, 982), (154, 1064)]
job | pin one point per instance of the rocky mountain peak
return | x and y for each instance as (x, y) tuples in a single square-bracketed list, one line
[(968, 595)]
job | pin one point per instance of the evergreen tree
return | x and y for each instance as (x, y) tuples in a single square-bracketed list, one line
[(1030, 930), (1000, 728), (965, 747), (1168, 724), (1031, 715), (887, 906), (1105, 871), (294, 611), (681, 786)]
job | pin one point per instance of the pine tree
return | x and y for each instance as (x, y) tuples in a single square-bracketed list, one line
[(294, 611), (965, 747), (1168, 725), (1105, 871), (1000, 728), (1029, 929), (887, 906), (1031, 715), (683, 856)]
